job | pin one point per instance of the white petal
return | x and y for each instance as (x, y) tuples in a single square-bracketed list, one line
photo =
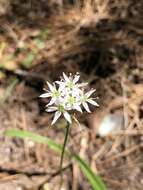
[(51, 87), (68, 107), (76, 78), (67, 117), (62, 87), (66, 77), (82, 84), (51, 109), (59, 82), (56, 117), (52, 101), (78, 108), (85, 105), (92, 102), (45, 95), (90, 92), (75, 92)]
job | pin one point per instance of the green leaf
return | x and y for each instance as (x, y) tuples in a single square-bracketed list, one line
[(94, 180), (28, 60), (9, 90), (44, 33), (34, 137), (40, 44)]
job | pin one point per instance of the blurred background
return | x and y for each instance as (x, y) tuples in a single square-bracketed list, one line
[(103, 41)]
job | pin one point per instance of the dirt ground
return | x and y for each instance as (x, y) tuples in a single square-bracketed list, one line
[(103, 41)]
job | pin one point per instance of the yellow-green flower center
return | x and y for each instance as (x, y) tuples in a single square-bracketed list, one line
[(70, 84), (56, 93), (71, 100)]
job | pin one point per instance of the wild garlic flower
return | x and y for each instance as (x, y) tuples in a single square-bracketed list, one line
[(66, 96), (54, 94), (70, 84), (59, 110), (85, 99)]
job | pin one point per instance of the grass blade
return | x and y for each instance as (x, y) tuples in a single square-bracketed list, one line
[(9, 90), (94, 180), (34, 137)]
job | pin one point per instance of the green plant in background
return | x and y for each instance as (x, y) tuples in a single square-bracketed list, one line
[(44, 34), (65, 97), (27, 62), (8, 91)]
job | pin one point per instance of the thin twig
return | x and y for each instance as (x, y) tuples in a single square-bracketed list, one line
[(125, 101), (47, 179)]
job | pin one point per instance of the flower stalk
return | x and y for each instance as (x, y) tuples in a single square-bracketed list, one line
[(63, 151)]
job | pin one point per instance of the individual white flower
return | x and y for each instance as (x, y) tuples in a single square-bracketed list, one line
[(53, 93), (60, 110), (85, 99), (73, 103), (71, 82)]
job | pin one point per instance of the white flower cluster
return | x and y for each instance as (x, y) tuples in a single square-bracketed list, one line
[(67, 95)]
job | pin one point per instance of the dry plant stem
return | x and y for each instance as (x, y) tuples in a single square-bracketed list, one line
[(63, 151)]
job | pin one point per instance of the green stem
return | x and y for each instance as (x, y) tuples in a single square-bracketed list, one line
[(62, 154)]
